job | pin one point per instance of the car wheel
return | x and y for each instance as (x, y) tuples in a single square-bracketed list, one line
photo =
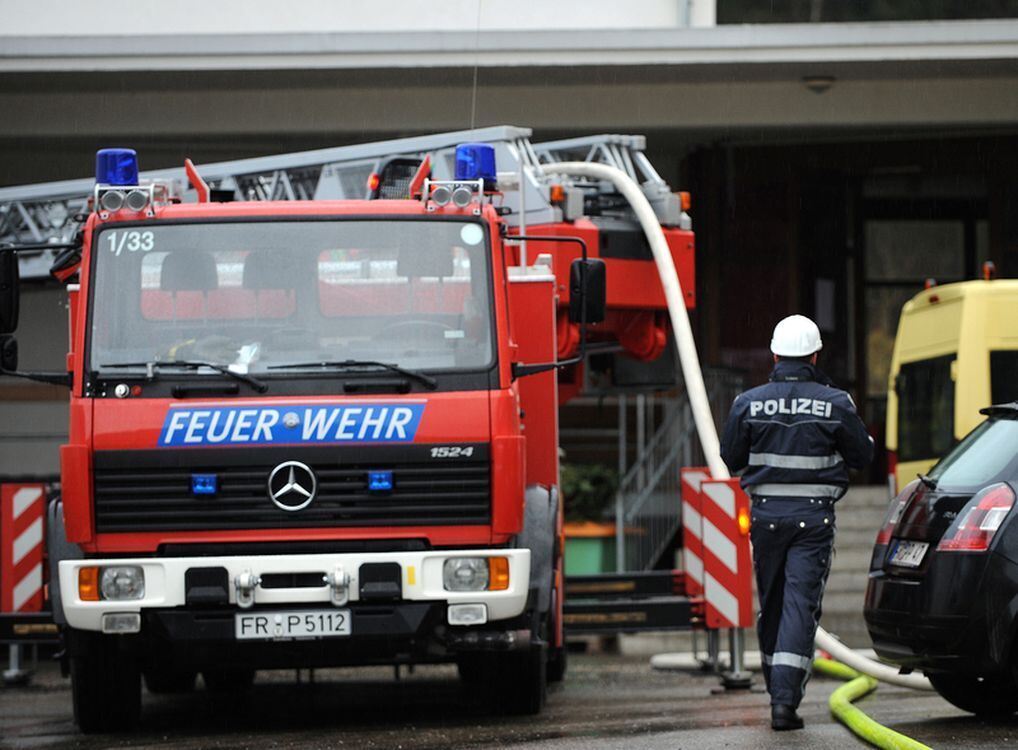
[(989, 696)]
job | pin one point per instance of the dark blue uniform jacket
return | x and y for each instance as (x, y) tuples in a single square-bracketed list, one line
[(796, 436)]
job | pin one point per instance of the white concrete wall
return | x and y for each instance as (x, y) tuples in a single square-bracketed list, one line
[(70, 17)]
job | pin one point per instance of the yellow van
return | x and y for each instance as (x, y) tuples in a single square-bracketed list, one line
[(956, 352)]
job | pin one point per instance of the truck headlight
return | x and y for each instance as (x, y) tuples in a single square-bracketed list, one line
[(465, 574), (122, 582), (476, 574)]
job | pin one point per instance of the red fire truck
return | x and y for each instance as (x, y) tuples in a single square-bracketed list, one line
[(309, 433)]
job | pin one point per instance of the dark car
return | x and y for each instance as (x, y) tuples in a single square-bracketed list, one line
[(943, 584)]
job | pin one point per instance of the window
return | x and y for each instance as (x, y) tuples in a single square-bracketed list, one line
[(900, 255), (925, 409), (262, 294), (984, 456), (1004, 376)]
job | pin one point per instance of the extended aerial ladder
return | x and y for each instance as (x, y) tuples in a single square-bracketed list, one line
[(42, 218)]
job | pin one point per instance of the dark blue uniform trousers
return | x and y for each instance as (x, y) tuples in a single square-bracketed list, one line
[(793, 541)]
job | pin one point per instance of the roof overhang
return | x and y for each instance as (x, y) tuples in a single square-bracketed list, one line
[(720, 45)]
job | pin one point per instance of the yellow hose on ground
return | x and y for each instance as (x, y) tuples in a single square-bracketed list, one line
[(859, 723)]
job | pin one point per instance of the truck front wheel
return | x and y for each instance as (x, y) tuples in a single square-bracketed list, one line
[(229, 679), (163, 680), (105, 685), (519, 681)]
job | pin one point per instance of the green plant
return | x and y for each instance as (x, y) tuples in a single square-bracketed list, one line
[(588, 490)]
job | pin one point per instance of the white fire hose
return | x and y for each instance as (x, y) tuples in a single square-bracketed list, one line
[(693, 376)]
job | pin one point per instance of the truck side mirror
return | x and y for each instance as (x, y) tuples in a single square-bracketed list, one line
[(587, 290), (8, 354), (8, 291)]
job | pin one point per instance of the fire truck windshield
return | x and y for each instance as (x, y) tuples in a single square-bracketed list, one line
[(275, 297)]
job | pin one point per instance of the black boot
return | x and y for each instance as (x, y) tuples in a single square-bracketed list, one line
[(784, 717)]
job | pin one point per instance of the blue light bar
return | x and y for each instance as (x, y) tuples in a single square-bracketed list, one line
[(116, 166), (204, 484), (476, 161), (379, 481)]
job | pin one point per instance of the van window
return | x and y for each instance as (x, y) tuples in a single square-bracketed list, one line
[(925, 409), (1004, 376)]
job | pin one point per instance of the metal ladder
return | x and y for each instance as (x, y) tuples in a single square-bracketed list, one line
[(50, 213)]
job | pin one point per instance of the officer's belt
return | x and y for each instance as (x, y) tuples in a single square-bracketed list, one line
[(797, 490)]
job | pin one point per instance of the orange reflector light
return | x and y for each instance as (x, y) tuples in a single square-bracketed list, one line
[(685, 200), (88, 584), (374, 180), (557, 194), (744, 522), (498, 573)]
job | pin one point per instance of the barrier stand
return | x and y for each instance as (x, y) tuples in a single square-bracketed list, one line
[(716, 530), (22, 511)]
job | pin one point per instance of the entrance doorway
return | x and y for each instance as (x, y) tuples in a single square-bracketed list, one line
[(906, 240)]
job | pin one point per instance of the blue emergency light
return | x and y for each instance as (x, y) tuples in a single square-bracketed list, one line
[(116, 166), (204, 484), (379, 481), (476, 161)]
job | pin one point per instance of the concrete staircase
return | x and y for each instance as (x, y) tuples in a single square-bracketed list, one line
[(859, 514)]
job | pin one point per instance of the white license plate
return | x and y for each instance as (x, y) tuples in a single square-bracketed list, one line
[(310, 623), (909, 554)]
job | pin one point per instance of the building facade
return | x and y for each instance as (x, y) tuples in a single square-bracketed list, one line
[(834, 166)]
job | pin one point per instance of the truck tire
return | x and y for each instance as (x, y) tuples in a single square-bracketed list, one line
[(163, 681), (518, 682), (473, 669), (991, 696), (557, 655), (105, 686), (228, 679), (557, 663)]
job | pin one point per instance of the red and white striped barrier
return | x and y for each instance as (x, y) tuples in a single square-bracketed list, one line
[(692, 532), (716, 535), (22, 510)]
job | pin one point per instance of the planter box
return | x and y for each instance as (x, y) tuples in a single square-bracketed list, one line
[(590, 547)]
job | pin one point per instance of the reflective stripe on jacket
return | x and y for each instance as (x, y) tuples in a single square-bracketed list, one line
[(796, 436)]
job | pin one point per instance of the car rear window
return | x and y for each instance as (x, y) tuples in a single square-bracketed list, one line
[(1004, 376), (925, 409), (987, 454)]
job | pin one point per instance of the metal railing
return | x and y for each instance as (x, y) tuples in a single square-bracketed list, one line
[(648, 501)]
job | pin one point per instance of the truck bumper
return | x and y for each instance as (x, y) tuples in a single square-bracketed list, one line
[(182, 584)]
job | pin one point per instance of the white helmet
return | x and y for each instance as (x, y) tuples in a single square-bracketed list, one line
[(796, 336)]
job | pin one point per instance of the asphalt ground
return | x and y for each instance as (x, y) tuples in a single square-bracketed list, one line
[(606, 702)]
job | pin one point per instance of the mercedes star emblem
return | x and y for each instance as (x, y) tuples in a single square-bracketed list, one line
[(292, 485)]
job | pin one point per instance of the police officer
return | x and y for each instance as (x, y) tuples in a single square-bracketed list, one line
[(796, 437)]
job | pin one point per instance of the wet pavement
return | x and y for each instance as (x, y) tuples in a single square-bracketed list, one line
[(605, 702)]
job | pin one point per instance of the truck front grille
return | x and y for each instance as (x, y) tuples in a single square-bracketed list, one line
[(151, 490)]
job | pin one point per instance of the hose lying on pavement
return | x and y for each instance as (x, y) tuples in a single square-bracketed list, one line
[(827, 642), (693, 376), (841, 700)]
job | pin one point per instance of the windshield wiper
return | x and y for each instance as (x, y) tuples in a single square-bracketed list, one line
[(359, 364), (928, 481), (193, 364)]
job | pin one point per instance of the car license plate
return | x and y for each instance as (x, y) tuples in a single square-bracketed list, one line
[(312, 623), (909, 554)]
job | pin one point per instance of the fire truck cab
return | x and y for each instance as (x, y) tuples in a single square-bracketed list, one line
[(310, 433)]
